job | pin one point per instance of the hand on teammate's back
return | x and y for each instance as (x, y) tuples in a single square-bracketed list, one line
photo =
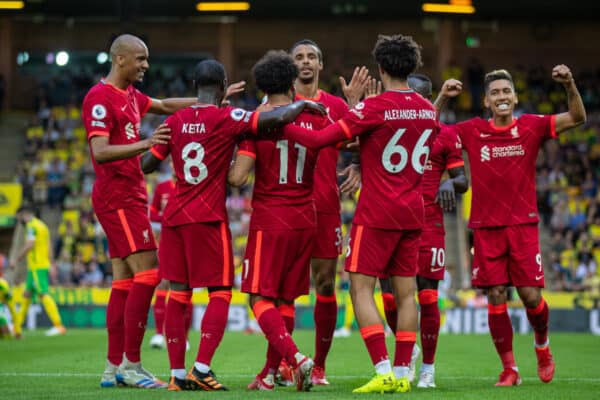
[(160, 136), (313, 106), (352, 182), (562, 74)]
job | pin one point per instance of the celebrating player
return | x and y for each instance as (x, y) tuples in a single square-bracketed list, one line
[(195, 247), (280, 241), (111, 112), (445, 155), (38, 251), (502, 153), (327, 246), (396, 129)]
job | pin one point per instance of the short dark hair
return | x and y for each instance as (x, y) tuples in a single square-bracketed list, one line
[(497, 75), (308, 42), (209, 73), (397, 55), (421, 84), (275, 72)]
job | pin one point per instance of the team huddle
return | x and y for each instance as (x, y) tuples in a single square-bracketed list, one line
[(292, 143)]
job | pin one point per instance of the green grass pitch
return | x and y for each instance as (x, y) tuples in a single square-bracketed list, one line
[(69, 367)]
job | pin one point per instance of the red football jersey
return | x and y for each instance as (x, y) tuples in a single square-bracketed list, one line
[(283, 187), (326, 192), (115, 113), (446, 153), (396, 129), (202, 142), (162, 192), (502, 163)]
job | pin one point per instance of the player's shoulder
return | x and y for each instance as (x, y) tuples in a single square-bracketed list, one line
[(97, 92), (532, 119), (332, 100)]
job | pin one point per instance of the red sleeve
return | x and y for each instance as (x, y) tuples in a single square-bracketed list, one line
[(155, 212), (452, 147), (144, 102), (247, 147), (240, 121), (316, 139), (461, 131), (97, 116), (364, 117)]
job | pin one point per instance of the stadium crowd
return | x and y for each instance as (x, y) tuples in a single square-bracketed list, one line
[(56, 171)]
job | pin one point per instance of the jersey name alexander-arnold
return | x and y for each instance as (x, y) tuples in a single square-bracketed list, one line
[(390, 115)]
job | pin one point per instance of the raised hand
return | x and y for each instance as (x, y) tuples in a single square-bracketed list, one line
[(562, 74), (451, 88), (232, 89), (354, 90), (373, 88)]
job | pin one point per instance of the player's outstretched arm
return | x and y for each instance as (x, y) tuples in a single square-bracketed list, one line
[(317, 139), (576, 114), (457, 183), (450, 88), (284, 115), (170, 105), (104, 152), (355, 89)]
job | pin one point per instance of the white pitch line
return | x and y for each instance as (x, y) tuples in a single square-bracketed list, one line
[(249, 376)]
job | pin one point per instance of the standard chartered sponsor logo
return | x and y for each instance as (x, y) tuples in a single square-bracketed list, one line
[(502, 151), (485, 153)]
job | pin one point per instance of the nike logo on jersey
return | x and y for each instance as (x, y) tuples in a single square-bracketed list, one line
[(538, 277), (124, 107), (485, 134), (436, 269)]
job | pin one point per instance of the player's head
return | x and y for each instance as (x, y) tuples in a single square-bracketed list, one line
[(129, 56), (421, 84), (308, 58), (210, 76), (275, 73), (397, 56), (500, 96), (25, 213)]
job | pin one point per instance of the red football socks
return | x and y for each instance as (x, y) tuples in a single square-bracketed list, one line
[(405, 341), (136, 311), (175, 332), (538, 318), (502, 333), (389, 308), (430, 323), (273, 325), (374, 338), (159, 310), (115, 322), (325, 320), (213, 326)]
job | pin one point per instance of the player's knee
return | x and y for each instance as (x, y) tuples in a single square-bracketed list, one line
[(497, 295), (426, 283), (325, 287), (530, 296)]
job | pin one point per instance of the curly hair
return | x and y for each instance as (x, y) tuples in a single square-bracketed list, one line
[(495, 76), (398, 55), (275, 72)]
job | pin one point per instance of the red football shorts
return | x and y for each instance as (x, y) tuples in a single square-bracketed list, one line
[(277, 263), (127, 230), (382, 252), (432, 255), (328, 239), (198, 254), (507, 255)]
